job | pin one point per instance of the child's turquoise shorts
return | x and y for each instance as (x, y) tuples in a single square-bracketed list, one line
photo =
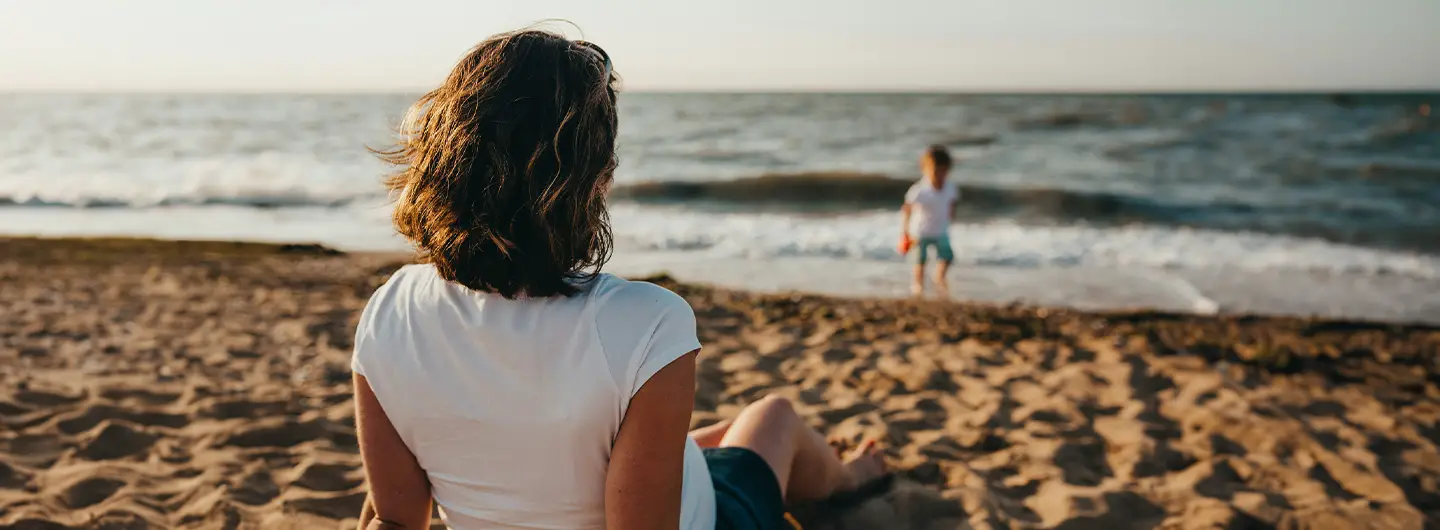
[(940, 244)]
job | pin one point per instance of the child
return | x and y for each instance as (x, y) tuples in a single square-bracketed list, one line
[(925, 219)]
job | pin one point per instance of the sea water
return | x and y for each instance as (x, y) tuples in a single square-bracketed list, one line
[(1296, 204)]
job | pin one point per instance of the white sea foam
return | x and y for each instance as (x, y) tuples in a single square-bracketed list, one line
[(764, 237), (1087, 267), (196, 167), (263, 179), (1004, 244)]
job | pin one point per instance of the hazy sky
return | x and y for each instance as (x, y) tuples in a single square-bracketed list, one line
[(368, 45)]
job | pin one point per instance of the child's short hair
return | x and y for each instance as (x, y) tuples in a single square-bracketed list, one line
[(502, 170), (937, 156)]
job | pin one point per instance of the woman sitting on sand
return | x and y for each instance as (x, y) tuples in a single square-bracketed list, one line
[(505, 377)]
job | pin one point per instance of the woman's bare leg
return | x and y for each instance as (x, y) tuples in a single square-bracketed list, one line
[(710, 435), (805, 464)]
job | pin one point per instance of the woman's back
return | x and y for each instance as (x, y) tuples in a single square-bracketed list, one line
[(506, 378), (511, 405)]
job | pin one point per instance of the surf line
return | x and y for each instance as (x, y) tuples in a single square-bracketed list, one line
[(1199, 303)]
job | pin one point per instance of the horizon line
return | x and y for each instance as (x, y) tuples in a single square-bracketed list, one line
[(1157, 91)]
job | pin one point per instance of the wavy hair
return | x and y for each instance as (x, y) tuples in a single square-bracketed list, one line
[(503, 169)]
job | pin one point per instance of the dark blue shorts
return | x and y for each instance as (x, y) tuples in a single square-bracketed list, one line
[(747, 494)]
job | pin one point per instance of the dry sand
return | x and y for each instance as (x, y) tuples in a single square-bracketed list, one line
[(205, 385)]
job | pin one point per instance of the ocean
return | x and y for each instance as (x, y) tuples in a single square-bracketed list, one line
[(1306, 204)]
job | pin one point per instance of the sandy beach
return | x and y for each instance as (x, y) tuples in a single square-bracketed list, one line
[(152, 384)]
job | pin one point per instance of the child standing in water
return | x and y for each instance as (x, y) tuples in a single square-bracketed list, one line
[(925, 219)]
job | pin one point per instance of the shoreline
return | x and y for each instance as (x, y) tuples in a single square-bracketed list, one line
[(1079, 266), (636, 271), (171, 384)]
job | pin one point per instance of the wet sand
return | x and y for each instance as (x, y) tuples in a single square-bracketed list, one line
[(150, 384)]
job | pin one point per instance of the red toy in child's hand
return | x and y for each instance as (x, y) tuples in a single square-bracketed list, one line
[(905, 243)]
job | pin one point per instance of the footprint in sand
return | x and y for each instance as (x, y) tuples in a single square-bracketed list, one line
[(899, 505), (91, 491), (1122, 509), (285, 433), (94, 414), (114, 440), (36, 450), (47, 399), (8, 409), (1083, 462), (244, 409), (329, 477), (290, 433), (256, 488), (146, 397), (12, 478), (36, 524), (333, 506)]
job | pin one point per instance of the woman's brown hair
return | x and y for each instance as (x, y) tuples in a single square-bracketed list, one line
[(504, 167)]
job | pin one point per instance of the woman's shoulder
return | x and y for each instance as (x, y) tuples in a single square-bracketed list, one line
[(402, 287), (410, 273), (642, 327), (413, 270), (607, 290), (619, 294)]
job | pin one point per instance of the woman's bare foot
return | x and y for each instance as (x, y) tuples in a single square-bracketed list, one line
[(865, 463)]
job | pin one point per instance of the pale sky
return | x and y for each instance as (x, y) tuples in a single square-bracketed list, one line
[(966, 45)]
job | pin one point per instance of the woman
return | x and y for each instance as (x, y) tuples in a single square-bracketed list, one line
[(505, 377)]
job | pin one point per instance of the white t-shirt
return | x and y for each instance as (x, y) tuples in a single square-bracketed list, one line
[(931, 209), (511, 406)]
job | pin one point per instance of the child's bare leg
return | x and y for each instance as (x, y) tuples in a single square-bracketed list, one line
[(942, 282), (917, 283), (710, 435), (805, 464)]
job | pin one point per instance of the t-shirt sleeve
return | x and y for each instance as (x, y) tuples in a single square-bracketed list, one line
[(643, 328), (355, 365), (364, 332), (382, 301), (912, 194), (674, 337)]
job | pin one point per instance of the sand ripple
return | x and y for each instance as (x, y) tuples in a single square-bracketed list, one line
[(156, 385)]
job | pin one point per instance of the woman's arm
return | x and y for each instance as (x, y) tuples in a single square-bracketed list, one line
[(399, 496), (367, 513), (647, 463)]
